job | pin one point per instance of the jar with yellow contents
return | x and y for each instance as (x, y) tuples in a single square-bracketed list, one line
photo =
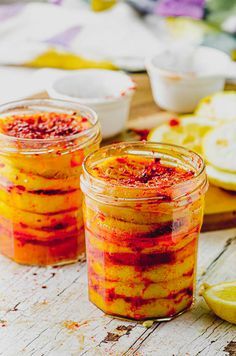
[(42, 147), (143, 213)]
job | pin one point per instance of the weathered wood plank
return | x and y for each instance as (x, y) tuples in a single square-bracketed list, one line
[(59, 320)]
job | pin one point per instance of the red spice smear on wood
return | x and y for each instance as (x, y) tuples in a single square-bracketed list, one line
[(44, 125), (131, 171)]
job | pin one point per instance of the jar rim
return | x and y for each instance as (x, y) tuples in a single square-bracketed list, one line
[(62, 104), (86, 175)]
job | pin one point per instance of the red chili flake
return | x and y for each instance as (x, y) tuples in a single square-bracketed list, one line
[(151, 172), (143, 134), (76, 161), (189, 273), (174, 122), (44, 125), (23, 225), (101, 217), (20, 187), (121, 160), (9, 188), (172, 311)]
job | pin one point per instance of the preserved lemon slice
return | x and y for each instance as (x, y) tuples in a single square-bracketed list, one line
[(220, 106), (221, 299), (186, 131), (219, 147), (221, 179)]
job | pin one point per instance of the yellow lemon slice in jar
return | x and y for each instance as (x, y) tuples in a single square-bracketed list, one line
[(187, 131), (221, 299), (219, 147), (220, 106)]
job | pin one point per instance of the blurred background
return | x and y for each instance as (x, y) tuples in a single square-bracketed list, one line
[(110, 34)]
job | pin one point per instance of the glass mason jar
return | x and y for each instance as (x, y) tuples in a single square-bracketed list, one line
[(141, 238), (40, 198)]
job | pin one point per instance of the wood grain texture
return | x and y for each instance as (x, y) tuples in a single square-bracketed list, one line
[(45, 311)]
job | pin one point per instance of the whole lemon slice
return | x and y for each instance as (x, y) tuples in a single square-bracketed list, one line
[(221, 179), (221, 299), (187, 131), (219, 147), (220, 106)]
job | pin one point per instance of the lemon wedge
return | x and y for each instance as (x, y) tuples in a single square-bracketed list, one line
[(187, 131), (221, 299), (220, 106), (221, 179), (219, 147)]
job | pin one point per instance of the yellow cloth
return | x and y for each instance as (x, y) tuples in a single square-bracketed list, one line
[(101, 5), (66, 60)]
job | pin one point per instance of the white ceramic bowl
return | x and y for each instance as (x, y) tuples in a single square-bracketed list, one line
[(107, 92), (180, 79)]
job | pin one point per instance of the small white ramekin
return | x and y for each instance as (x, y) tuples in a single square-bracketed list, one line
[(107, 92), (179, 91)]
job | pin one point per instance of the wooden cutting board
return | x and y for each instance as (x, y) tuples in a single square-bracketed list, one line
[(220, 205)]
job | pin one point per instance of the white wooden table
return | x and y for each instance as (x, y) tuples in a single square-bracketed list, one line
[(45, 311)]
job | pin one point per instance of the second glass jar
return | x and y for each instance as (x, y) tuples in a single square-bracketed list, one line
[(142, 239)]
